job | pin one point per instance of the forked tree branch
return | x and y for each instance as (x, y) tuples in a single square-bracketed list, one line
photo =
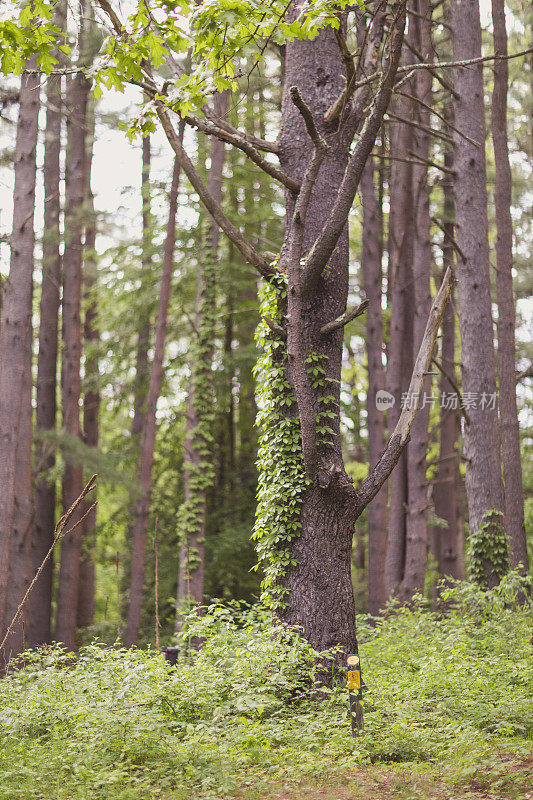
[(232, 136), (368, 59), (328, 238), (400, 436), (238, 140)]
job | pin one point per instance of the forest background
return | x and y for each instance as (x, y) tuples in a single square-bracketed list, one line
[(176, 408)]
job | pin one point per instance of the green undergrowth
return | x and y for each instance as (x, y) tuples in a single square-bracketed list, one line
[(448, 691)]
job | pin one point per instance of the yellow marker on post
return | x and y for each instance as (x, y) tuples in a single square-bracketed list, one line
[(355, 693)]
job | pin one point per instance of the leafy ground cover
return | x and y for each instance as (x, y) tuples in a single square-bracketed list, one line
[(449, 712)]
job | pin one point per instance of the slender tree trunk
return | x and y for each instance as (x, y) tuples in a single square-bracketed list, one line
[(91, 397), (40, 603), (16, 327), (399, 356), (448, 547), (67, 599), (482, 447), (144, 331), (510, 435), (149, 429), (373, 276), (416, 540), (192, 551)]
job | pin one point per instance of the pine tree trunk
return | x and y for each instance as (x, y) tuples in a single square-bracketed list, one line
[(399, 356), (144, 331), (482, 447), (91, 397), (20, 560), (416, 539), (448, 545), (509, 431), (67, 599), (372, 277), (16, 327), (149, 429), (40, 603)]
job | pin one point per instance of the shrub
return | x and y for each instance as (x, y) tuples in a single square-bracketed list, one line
[(121, 724)]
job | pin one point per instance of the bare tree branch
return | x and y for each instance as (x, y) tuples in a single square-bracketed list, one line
[(305, 111), (347, 317), (429, 131), (434, 111), (245, 248), (238, 140), (368, 60), (59, 534), (453, 384), (377, 477)]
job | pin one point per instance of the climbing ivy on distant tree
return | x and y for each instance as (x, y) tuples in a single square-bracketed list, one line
[(199, 438), (489, 558)]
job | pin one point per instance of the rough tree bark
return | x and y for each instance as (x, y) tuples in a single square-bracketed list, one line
[(192, 550), (91, 397), (509, 431), (16, 328), (399, 356), (372, 279), (67, 598), (40, 603), (416, 539), (149, 427), (482, 447), (448, 548)]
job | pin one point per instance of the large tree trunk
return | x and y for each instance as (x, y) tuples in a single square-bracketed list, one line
[(373, 277), (16, 328), (40, 603), (416, 539), (320, 589), (67, 599), (399, 356), (448, 547), (149, 429), (192, 550), (482, 447), (509, 431), (91, 397)]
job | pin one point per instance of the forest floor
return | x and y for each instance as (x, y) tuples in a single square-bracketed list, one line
[(511, 778), (448, 713)]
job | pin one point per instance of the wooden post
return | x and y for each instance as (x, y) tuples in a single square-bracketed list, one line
[(355, 693)]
